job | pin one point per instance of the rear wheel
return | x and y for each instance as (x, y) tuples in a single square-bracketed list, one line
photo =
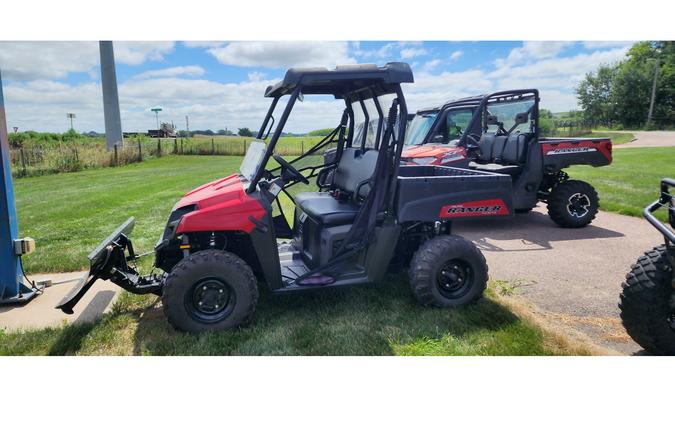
[(573, 204), (648, 302), (448, 271), (208, 291)]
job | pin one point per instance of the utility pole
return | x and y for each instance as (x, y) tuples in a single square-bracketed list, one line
[(187, 126), (111, 102), (71, 116), (651, 103), (156, 110)]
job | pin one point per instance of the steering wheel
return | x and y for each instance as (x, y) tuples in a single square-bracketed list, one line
[(295, 174)]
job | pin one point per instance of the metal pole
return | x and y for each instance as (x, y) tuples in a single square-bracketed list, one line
[(651, 103), (111, 103), (157, 117), (187, 126), (11, 287)]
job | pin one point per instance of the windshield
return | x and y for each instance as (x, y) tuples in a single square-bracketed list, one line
[(253, 159), (418, 128)]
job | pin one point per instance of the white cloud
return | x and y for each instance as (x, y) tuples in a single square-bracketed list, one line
[(597, 45), (408, 53), (533, 50), (282, 54), (29, 60), (172, 72), (431, 65), (456, 55), (203, 44), (256, 76)]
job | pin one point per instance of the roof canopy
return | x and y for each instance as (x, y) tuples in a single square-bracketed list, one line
[(348, 81)]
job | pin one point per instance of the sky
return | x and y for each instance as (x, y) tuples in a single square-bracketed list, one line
[(221, 84)]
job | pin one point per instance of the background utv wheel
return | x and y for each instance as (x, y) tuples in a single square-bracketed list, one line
[(208, 291), (448, 271), (573, 204), (648, 302)]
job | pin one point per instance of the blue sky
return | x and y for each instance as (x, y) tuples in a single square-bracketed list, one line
[(221, 84)]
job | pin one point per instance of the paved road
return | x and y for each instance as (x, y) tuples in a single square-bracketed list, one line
[(574, 275), (651, 139)]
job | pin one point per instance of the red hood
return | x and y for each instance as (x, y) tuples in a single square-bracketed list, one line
[(212, 193), (222, 205), (430, 150)]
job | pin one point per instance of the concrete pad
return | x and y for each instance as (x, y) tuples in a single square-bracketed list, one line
[(573, 274), (650, 139), (40, 312)]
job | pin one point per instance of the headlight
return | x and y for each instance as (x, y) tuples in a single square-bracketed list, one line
[(424, 161)]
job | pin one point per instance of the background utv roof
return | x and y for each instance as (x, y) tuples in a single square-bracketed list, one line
[(345, 80), (476, 99)]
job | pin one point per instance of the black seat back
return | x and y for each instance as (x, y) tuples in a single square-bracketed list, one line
[(515, 148), (491, 147), (355, 167)]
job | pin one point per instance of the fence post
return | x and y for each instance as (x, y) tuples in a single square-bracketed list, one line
[(115, 155), (302, 146), (175, 146), (245, 146), (213, 147), (159, 148), (181, 146), (77, 155), (140, 151), (23, 160)]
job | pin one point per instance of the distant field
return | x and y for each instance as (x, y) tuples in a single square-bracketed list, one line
[(235, 145), (616, 137)]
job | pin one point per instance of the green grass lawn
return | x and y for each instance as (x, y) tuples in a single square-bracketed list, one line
[(616, 137), (68, 214), (378, 319), (631, 182)]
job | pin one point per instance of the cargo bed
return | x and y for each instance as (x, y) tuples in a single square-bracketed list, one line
[(432, 193)]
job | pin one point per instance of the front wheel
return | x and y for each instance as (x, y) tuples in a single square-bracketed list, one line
[(648, 302), (448, 271), (210, 290), (573, 204)]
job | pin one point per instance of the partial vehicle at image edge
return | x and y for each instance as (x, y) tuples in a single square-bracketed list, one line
[(647, 300)]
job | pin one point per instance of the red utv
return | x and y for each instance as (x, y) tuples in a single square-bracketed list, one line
[(221, 238), (499, 133)]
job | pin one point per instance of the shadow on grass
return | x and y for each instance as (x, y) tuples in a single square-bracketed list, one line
[(379, 319)]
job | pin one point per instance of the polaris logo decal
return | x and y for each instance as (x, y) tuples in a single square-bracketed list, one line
[(487, 208), (570, 150)]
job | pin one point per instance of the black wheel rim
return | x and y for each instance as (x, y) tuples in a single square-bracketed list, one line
[(454, 278), (578, 205), (210, 300)]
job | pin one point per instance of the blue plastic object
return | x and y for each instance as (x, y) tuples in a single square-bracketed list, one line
[(12, 289)]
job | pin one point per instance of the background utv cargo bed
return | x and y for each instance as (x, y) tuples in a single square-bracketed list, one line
[(432, 193), (559, 153)]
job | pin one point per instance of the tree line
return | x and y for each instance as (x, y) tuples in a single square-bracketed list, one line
[(620, 95)]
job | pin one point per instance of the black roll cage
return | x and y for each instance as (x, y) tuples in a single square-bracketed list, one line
[(370, 88), (480, 103)]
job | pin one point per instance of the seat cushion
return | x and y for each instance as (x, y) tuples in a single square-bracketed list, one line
[(496, 168), (324, 208)]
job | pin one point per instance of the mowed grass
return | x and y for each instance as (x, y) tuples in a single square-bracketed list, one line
[(631, 182), (616, 137), (378, 319)]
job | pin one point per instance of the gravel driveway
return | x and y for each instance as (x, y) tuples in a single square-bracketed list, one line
[(651, 139), (574, 275)]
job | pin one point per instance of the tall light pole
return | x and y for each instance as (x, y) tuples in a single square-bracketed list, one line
[(187, 127), (111, 103), (156, 110), (71, 116), (651, 102)]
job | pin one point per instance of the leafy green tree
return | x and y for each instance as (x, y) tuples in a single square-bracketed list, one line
[(320, 132), (595, 95), (244, 131)]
